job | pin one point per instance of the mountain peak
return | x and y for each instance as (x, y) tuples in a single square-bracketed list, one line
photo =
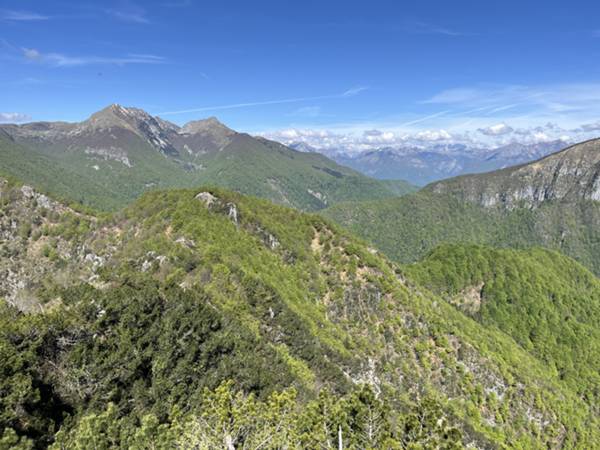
[(209, 125), (115, 115), (151, 129)]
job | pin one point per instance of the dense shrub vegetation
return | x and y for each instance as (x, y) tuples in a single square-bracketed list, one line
[(548, 303), (222, 321)]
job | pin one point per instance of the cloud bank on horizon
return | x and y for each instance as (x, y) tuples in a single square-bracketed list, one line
[(474, 116)]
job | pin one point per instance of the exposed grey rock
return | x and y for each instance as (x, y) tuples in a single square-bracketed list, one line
[(232, 212), (189, 243), (207, 198)]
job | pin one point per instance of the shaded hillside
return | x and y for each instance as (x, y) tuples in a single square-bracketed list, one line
[(135, 320)]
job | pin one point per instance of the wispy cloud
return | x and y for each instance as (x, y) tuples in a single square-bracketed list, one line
[(129, 12), (420, 27), (355, 90), (21, 16), (306, 111), (13, 117), (348, 93), (62, 60), (574, 102), (519, 95), (591, 126), (425, 118)]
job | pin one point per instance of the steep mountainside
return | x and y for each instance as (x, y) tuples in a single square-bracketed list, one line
[(546, 302), (119, 332), (550, 203), (122, 152)]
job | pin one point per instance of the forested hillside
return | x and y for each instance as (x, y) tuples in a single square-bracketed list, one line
[(548, 303)]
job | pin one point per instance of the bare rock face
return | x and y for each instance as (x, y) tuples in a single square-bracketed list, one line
[(232, 212), (207, 198), (216, 204), (569, 175)]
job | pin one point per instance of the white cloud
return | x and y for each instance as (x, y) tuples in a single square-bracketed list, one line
[(129, 12), (366, 140), (354, 139), (378, 137), (13, 117), (433, 135), (32, 53), (61, 60), (496, 130), (21, 16), (354, 91), (595, 126), (540, 136)]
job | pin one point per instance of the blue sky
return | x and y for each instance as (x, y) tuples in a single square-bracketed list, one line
[(344, 71)]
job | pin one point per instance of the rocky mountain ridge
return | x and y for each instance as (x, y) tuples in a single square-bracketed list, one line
[(106, 123), (572, 174)]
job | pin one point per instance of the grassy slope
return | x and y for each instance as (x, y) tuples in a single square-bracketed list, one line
[(317, 305), (248, 165), (270, 170), (50, 176)]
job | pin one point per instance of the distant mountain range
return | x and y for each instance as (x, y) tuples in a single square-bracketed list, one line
[(118, 153), (422, 165)]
